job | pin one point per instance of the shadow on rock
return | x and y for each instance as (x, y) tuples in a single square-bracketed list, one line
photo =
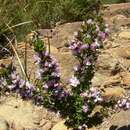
[(121, 128)]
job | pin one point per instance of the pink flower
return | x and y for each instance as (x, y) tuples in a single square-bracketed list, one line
[(22, 83), (127, 105), (46, 53), (90, 21), (84, 47), (85, 94), (102, 35), (74, 81), (85, 126), (80, 127), (85, 108), (75, 68), (87, 62), (45, 86)]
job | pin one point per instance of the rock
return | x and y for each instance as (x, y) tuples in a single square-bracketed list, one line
[(106, 62), (125, 78), (119, 121), (43, 122), (123, 52), (125, 34), (60, 126), (3, 124), (21, 113), (118, 21), (18, 127), (53, 49), (66, 61), (47, 126), (63, 33), (113, 92), (91, 129), (99, 79)]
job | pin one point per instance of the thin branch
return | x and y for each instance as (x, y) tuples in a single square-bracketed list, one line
[(19, 61)]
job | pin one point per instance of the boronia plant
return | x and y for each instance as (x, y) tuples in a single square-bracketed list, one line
[(49, 86), (84, 47), (76, 106), (11, 82)]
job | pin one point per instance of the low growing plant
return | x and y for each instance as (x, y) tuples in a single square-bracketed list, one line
[(48, 80), (85, 48)]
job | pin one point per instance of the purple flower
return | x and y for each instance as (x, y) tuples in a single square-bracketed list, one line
[(16, 79), (80, 128), (55, 74), (102, 35), (95, 45), (124, 103), (128, 105), (87, 62), (96, 95), (84, 94), (29, 86), (85, 108), (77, 68), (22, 83), (46, 53), (45, 86), (85, 126), (73, 46), (84, 47), (74, 81)]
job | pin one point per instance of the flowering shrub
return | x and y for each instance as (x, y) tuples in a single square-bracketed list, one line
[(49, 86), (85, 47)]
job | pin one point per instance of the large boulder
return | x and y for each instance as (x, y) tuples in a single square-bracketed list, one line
[(113, 92), (125, 34), (119, 121), (22, 115)]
